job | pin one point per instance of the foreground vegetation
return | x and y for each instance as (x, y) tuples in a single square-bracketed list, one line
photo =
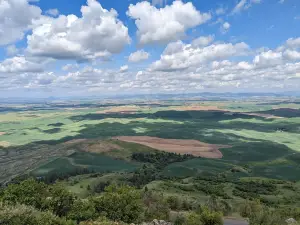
[(62, 166), (32, 202)]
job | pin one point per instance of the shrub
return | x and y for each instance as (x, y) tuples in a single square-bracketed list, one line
[(156, 206), (193, 219), (179, 220), (211, 218), (60, 200), (174, 202), (28, 192), (82, 210), (27, 215), (122, 203)]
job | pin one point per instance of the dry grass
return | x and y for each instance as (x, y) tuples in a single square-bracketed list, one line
[(99, 147), (267, 116), (4, 144), (74, 141), (192, 147)]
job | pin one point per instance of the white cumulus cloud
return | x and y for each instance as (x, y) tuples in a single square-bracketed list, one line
[(293, 43), (178, 56), (16, 17), (19, 64), (165, 24), (225, 27), (203, 41), (98, 33), (138, 56)]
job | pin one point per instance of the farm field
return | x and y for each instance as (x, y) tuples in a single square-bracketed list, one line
[(185, 147), (180, 149)]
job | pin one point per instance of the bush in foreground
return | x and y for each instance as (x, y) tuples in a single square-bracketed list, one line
[(122, 203), (27, 215)]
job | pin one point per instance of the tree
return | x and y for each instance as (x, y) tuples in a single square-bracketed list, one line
[(146, 189), (28, 192), (214, 204), (174, 202), (122, 203), (250, 207), (60, 200)]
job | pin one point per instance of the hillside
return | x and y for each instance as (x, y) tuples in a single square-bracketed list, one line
[(187, 161)]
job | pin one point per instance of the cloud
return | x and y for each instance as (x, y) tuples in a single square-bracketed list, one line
[(19, 64), (124, 68), (42, 79), (138, 56), (16, 17), (240, 6), (281, 55), (97, 34), (165, 24), (281, 1), (225, 27), (291, 55), (202, 41), (293, 43), (180, 56), (269, 58), (244, 5), (52, 12), (139, 75)]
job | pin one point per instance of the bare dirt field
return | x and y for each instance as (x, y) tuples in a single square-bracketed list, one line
[(121, 109), (192, 147), (2, 133), (198, 108)]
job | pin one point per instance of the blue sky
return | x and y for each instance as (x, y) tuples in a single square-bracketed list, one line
[(104, 47)]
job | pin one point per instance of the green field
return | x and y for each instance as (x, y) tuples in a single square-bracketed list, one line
[(75, 147), (79, 160)]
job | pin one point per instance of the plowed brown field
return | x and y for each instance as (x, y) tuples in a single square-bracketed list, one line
[(192, 147)]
